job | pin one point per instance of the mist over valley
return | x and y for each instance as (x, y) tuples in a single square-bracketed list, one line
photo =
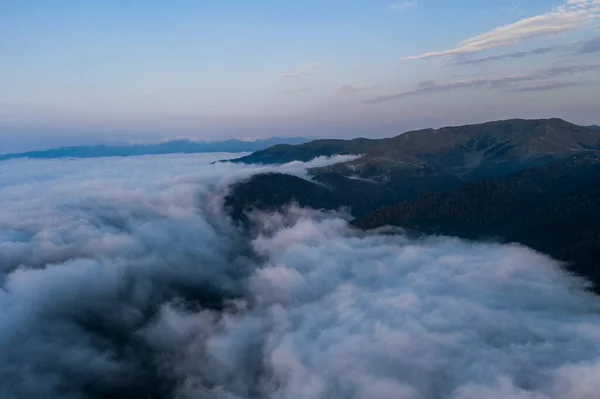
[(127, 278)]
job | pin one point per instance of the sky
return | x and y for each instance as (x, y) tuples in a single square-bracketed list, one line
[(74, 72)]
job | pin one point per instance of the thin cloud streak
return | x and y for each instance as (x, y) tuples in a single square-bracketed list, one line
[(572, 15), (508, 56), (547, 87), (353, 89), (491, 83), (309, 69), (583, 47), (590, 46), (403, 5)]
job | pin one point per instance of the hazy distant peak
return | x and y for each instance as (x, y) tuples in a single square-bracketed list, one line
[(178, 146)]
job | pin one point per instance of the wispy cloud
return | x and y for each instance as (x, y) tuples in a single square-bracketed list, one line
[(403, 5), (582, 47), (508, 56), (547, 86), (572, 15), (590, 46), (434, 86), (308, 69), (353, 89)]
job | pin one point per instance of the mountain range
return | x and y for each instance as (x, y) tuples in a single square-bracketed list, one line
[(167, 147), (399, 168), (536, 182), (460, 150)]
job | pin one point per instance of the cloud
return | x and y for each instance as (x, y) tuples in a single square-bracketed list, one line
[(434, 86), (572, 15), (589, 46), (98, 255), (508, 56), (308, 69), (403, 5), (353, 89), (354, 315), (123, 278), (547, 86)]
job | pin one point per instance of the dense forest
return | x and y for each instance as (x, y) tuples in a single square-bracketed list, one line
[(283, 189), (553, 208), (271, 191)]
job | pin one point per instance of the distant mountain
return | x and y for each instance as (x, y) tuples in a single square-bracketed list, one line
[(595, 127), (168, 147), (552, 208), (403, 167)]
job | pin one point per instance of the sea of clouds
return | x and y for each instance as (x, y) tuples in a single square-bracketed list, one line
[(124, 278)]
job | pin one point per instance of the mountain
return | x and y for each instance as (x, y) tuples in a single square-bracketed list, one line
[(168, 147), (400, 168), (274, 190), (282, 189), (551, 208), (595, 127), (481, 149), (536, 182)]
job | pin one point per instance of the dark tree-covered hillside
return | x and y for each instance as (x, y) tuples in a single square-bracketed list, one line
[(554, 209), (270, 191)]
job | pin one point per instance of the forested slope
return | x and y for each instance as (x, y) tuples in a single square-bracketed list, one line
[(553, 208)]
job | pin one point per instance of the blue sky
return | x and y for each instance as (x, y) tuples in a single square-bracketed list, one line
[(75, 72)]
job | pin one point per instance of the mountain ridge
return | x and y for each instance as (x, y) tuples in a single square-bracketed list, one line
[(513, 139), (402, 167)]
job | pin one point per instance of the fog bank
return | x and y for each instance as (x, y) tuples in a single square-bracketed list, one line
[(124, 278)]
